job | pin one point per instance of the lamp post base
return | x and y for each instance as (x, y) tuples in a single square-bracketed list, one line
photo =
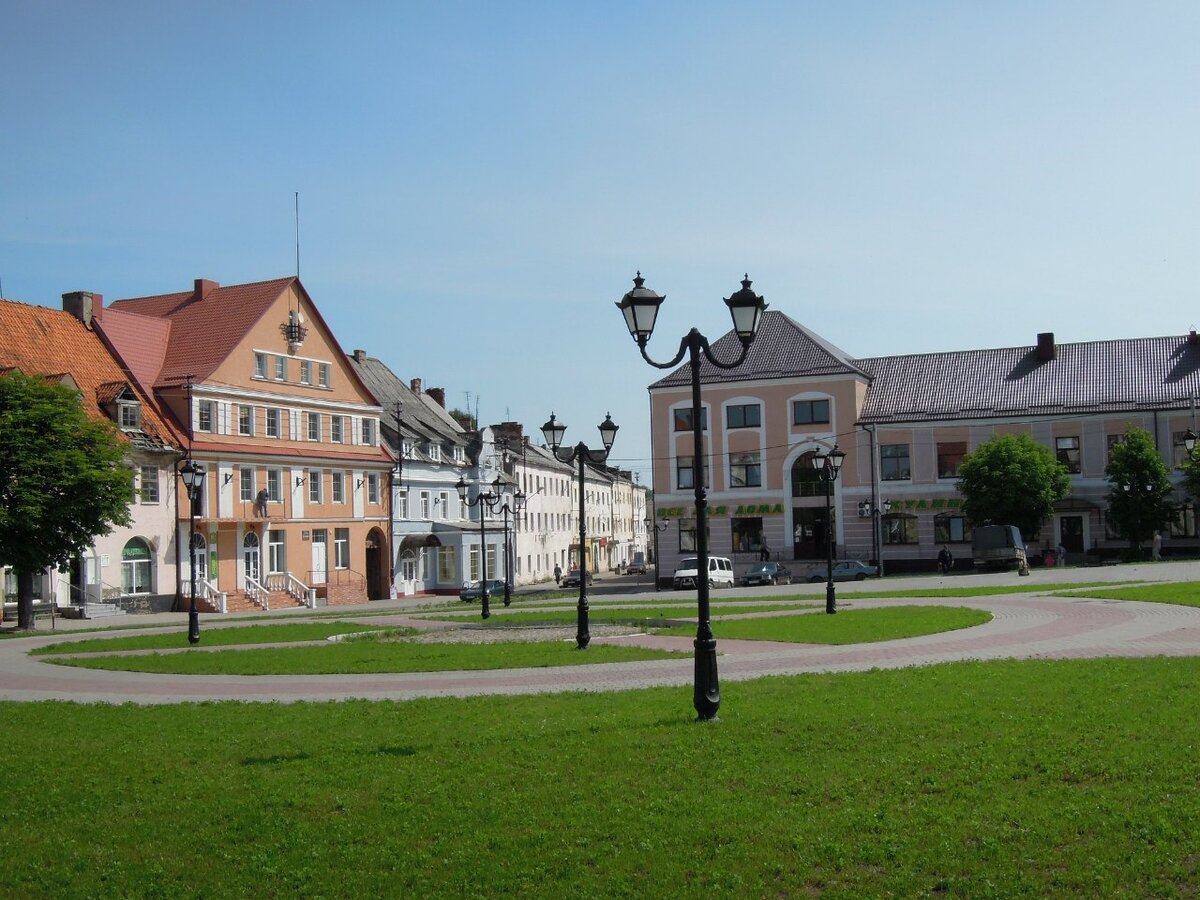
[(706, 695), (193, 624), (830, 598), (582, 636)]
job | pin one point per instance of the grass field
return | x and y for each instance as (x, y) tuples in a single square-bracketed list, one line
[(856, 626), (1038, 779)]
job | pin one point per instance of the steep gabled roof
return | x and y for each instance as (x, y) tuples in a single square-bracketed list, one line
[(50, 342), (421, 417), (783, 348), (206, 324), (1122, 375)]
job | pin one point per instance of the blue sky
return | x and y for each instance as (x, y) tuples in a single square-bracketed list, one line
[(480, 181)]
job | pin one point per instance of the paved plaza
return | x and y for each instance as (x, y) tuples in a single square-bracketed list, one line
[(1024, 626)]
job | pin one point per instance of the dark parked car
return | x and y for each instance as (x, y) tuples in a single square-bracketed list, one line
[(571, 579), (845, 570), (767, 573), (474, 590), (635, 569)]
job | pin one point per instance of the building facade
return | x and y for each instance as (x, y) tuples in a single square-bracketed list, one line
[(905, 423)]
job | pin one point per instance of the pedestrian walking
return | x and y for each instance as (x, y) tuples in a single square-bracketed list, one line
[(557, 574)]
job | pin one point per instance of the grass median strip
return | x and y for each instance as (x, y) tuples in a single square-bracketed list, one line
[(1182, 593), (645, 616), (1000, 779), (372, 656), (856, 626), (228, 636)]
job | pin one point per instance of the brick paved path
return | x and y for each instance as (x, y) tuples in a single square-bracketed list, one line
[(1023, 627)]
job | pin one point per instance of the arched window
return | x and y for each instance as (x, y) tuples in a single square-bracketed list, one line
[(806, 480), (137, 568), (899, 529)]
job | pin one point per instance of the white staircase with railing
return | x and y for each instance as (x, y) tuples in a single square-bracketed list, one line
[(257, 592), (293, 587)]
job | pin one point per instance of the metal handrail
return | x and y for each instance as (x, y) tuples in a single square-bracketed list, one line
[(293, 587)]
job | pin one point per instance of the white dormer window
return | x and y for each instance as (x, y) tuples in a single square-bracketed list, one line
[(435, 452), (129, 415), (368, 432), (458, 454)]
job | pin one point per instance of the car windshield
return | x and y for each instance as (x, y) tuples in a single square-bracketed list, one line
[(761, 567), (690, 563)]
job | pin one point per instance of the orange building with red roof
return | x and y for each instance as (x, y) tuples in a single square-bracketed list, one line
[(295, 500), (133, 567)]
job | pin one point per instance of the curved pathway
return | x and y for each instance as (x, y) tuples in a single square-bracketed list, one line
[(1023, 627)]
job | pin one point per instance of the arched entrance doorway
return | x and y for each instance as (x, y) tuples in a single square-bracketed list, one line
[(809, 524), (251, 556), (377, 573)]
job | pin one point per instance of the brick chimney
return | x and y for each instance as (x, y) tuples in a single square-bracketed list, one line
[(202, 288), (83, 305), (1193, 338), (415, 384), (360, 356), (438, 395), (1045, 346)]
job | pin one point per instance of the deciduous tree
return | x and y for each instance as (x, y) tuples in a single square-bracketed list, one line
[(1011, 480), (1139, 499), (63, 480)]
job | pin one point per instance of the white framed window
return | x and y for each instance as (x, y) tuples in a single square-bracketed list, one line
[(273, 419), (341, 548), (275, 485), (137, 567), (323, 374), (372, 487), (314, 426), (402, 505), (129, 415), (204, 415), (276, 551), (445, 498), (260, 365), (336, 429), (246, 420), (281, 368), (246, 484), (339, 487), (368, 432), (435, 452), (425, 505), (305, 371), (315, 494), (149, 484)]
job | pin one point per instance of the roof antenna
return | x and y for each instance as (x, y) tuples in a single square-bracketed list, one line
[(297, 235)]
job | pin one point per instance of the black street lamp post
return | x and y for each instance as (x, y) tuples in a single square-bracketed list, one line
[(829, 465), (487, 501), (640, 308), (553, 431), (518, 504), (193, 480), (657, 526)]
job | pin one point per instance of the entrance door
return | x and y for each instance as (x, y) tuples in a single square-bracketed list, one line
[(250, 556), (374, 560), (809, 532), (200, 555), (1070, 531), (320, 537)]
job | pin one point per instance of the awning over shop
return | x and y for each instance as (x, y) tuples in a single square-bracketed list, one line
[(417, 541)]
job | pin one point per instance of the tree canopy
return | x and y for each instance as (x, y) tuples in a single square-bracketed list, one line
[(1011, 480), (63, 479), (1139, 499)]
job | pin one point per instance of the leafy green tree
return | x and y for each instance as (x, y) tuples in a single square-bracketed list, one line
[(63, 480), (1011, 480), (1139, 500)]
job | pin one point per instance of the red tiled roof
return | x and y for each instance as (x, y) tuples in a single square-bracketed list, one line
[(203, 330), (42, 341)]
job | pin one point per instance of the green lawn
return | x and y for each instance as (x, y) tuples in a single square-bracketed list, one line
[(226, 636), (1036, 779), (1183, 593), (855, 626), (642, 614)]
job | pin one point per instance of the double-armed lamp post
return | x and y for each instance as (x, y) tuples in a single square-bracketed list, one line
[(487, 501), (517, 505), (554, 431), (640, 308), (828, 465), (192, 474)]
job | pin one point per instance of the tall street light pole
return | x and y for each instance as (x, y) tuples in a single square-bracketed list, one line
[(829, 465), (193, 480), (518, 504), (554, 431), (486, 501), (657, 526), (640, 308)]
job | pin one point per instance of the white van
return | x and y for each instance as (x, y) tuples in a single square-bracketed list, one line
[(720, 572)]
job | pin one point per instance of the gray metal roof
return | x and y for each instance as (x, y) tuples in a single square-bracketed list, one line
[(421, 417), (1095, 376), (783, 348)]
